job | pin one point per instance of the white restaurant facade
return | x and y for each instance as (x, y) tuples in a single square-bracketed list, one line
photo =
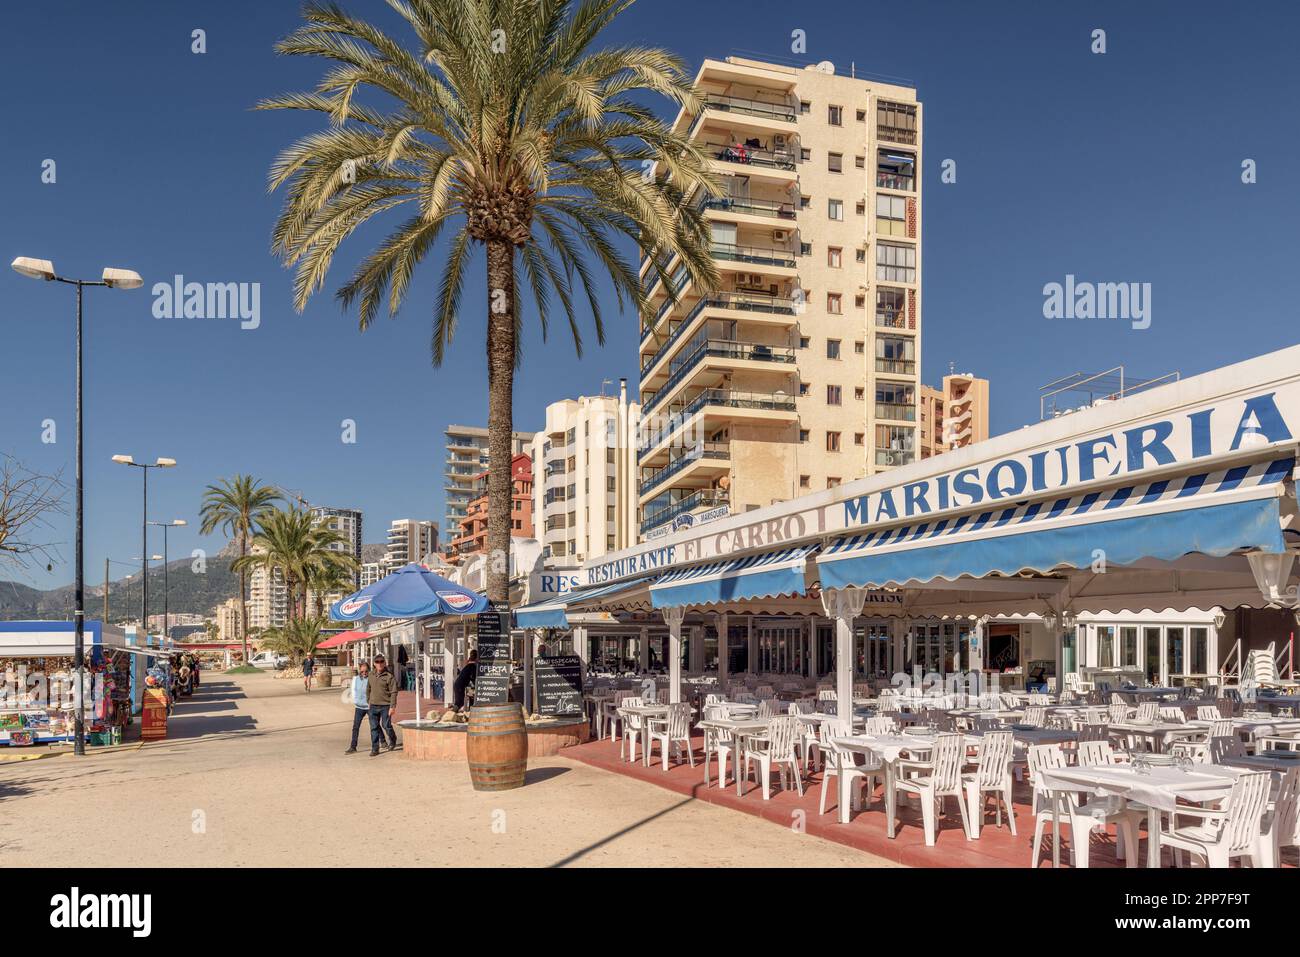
[(1152, 537)]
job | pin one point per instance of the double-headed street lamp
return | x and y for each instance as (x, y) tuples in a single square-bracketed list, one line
[(166, 613), (114, 279), (144, 468)]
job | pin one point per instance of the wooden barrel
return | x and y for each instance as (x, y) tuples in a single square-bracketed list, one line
[(497, 747), (322, 675)]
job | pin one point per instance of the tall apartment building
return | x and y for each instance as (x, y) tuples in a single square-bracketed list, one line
[(268, 598), (409, 540), (371, 572), (347, 523), (230, 621), (801, 370), (467, 457), (954, 416), (585, 493), (472, 539)]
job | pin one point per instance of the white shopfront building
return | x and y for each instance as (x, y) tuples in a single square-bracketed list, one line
[(1119, 539)]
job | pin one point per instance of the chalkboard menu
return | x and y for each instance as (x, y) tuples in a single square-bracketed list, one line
[(559, 685), (492, 686)]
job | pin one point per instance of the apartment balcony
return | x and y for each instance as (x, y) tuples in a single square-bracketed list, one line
[(712, 409), (892, 319), (735, 155), (893, 457), (705, 459), (895, 411), (697, 501), (895, 181), (752, 307), (728, 354), (761, 116), (896, 366), (751, 209)]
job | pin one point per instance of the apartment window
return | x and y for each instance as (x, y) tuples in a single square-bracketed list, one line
[(805, 107), (895, 400), (835, 162), (834, 256), (805, 154), (833, 395), (832, 441), (891, 308), (609, 513), (895, 263), (862, 116), (804, 342), (894, 445), (896, 354), (805, 202), (805, 249), (834, 303), (859, 393), (835, 115), (832, 348), (611, 484), (891, 215), (518, 524), (896, 122), (832, 481), (805, 481), (860, 301), (803, 435), (859, 348), (860, 162), (860, 255), (803, 388), (835, 209), (895, 170)]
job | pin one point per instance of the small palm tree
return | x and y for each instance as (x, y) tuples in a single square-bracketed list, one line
[(507, 130), (297, 639), (294, 546), (236, 506), (331, 576)]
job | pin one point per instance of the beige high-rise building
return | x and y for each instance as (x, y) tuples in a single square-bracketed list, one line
[(802, 370), (467, 457), (268, 597), (230, 623), (584, 478), (954, 416), (347, 523), (409, 540)]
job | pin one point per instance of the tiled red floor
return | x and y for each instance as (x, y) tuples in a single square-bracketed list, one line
[(866, 830)]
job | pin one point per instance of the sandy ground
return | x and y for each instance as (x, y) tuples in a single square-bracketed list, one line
[(254, 774)]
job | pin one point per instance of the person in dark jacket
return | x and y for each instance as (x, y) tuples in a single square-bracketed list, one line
[(381, 693), (464, 679)]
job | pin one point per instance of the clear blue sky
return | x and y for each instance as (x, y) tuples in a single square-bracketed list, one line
[(1119, 167)]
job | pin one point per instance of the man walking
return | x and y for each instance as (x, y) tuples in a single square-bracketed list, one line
[(308, 666), (360, 702), (382, 696)]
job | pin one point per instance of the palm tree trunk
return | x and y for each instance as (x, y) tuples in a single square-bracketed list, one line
[(243, 592), (501, 386)]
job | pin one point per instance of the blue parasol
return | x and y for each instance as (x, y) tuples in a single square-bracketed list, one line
[(410, 592)]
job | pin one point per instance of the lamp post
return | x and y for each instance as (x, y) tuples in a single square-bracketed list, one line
[(166, 611), (144, 468), (144, 578), (114, 279)]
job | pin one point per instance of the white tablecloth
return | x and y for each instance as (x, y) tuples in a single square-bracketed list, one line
[(1158, 787)]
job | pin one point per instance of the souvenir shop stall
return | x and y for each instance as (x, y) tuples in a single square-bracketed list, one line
[(38, 696)]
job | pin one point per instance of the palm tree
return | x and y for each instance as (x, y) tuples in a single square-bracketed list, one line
[(509, 127), (236, 506), (290, 543), (297, 639), (329, 577)]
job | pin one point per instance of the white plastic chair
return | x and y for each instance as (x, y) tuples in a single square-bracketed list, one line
[(1225, 747), (1220, 834), (1147, 712), (1282, 823), (1094, 753), (1173, 715), (674, 729), (992, 775), (1035, 716), (1208, 712), (1082, 819), (719, 743), (880, 724), (936, 779), (775, 747), (632, 726), (837, 761)]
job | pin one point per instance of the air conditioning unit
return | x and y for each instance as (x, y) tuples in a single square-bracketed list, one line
[(778, 140), (780, 235)]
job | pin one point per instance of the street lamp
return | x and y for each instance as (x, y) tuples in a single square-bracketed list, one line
[(144, 468), (114, 279), (164, 526)]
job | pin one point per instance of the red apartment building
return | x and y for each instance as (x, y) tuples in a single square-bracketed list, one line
[(473, 527)]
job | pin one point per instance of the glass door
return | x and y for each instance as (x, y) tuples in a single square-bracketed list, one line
[(1174, 659), (1151, 641)]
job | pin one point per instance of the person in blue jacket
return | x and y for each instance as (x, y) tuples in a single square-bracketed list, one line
[(360, 705)]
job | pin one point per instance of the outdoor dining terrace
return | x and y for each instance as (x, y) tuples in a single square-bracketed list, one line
[(1134, 777)]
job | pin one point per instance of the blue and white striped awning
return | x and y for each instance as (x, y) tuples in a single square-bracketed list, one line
[(767, 574), (1211, 513), (552, 613)]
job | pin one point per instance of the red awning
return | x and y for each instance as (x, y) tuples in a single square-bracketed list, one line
[(341, 639)]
